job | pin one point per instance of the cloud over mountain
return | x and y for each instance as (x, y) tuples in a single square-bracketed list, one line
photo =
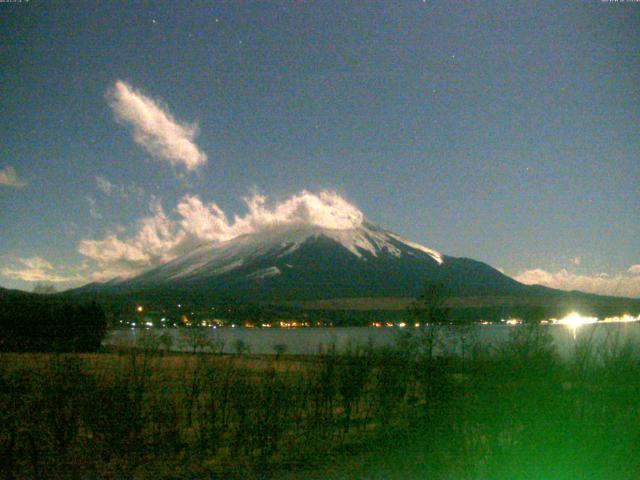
[(37, 269), (619, 285), (155, 129), (160, 237)]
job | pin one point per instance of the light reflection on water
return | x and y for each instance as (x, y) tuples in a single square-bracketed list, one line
[(309, 341)]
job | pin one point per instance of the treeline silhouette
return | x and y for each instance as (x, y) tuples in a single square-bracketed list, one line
[(48, 323)]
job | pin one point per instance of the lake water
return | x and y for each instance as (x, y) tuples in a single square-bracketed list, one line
[(310, 341)]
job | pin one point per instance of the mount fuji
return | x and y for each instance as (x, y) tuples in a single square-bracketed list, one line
[(321, 267), (303, 262)]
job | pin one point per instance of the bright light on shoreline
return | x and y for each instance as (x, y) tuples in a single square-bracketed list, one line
[(574, 319)]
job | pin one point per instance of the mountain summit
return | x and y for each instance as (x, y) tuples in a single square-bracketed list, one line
[(302, 262)]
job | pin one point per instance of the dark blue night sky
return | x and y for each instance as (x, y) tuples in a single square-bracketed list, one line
[(508, 132)]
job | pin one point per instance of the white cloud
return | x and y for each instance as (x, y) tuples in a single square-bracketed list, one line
[(155, 129), (575, 261), (159, 238), (634, 269), (153, 244), (123, 191), (9, 178), (37, 269), (325, 209), (619, 285)]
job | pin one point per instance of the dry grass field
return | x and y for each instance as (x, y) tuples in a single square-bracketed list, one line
[(517, 411)]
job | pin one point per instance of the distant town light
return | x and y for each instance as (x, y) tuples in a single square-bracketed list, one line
[(626, 318)]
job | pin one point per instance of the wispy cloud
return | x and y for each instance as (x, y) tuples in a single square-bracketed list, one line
[(155, 129), (123, 191), (160, 238), (37, 269), (9, 178), (70, 228), (634, 269), (621, 284), (93, 209)]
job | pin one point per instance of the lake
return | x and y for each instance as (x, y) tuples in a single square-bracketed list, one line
[(310, 341)]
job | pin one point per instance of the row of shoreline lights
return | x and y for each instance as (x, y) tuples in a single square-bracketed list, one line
[(573, 320)]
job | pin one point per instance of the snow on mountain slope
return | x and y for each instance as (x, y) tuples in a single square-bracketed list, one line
[(214, 259), (310, 262)]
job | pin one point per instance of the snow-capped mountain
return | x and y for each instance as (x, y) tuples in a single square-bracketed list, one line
[(361, 264), (294, 262), (246, 251)]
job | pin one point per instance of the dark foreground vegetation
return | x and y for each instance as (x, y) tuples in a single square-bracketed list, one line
[(514, 411), (45, 323)]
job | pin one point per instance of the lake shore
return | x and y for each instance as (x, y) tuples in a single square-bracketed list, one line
[(318, 340)]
